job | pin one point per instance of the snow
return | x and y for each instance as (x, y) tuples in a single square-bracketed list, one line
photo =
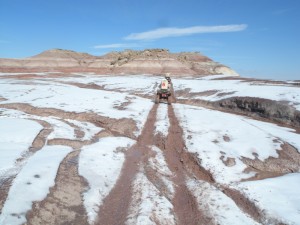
[(32, 183), (159, 165), (240, 88), (89, 129), (212, 77), (282, 133), (206, 131), (218, 205), (16, 136), (162, 123), (211, 134), (149, 206), (127, 83), (100, 164), (279, 197), (73, 99), (61, 129)]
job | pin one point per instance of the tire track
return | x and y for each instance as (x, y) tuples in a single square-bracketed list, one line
[(64, 203), (37, 144), (184, 202), (115, 206), (192, 166)]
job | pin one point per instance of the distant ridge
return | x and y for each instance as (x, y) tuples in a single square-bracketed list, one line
[(61, 53), (148, 61)]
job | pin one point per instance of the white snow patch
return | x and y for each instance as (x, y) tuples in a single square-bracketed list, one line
[(205, 131), (148, 205), (60, 128), (32, 183), (211, 77), (89, 129), (101, 164), (239, 88), (158, 163), (217, 205), (16, 136), (143, 84), (279, 197), (162, 123), (73, 99), (282, 133)]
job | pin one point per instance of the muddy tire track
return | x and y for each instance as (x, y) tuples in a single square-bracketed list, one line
[(183, 163), (118, 127), (184, 202), (191, 164), (37, 144), (64, 203), (41, 139), (114, 209)]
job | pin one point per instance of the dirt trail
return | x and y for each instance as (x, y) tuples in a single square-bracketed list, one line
[(64, 203), (115, 206), (36, 145), (118, 127), (114, 209), (184, 202)]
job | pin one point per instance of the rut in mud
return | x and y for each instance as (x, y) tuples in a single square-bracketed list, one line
[(116, 204), (63, 205), (37, 144), (176, 156)]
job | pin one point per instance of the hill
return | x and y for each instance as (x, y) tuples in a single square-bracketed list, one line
[(148, 61)]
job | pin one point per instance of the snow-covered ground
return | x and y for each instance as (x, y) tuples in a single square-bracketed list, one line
[(231, 88), (279, 197), (213, 134), (32, 183), (128, 83), (220, 206), (16, 136), (73, 99), (219, 139), (100, 164), (148, 206), (61, 129), (162, 123)]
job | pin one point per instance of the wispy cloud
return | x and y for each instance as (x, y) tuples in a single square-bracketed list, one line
[(118, 45), (175, 32), (280, 11)]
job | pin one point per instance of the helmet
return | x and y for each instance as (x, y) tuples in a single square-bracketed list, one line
[(167, 75)]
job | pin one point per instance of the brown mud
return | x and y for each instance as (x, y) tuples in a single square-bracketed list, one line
[(114, 209), (118, 127), (64, 203), (37, 144), (184, 202)]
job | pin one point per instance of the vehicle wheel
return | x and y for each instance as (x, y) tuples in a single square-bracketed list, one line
[(169, 100), (157, 99)]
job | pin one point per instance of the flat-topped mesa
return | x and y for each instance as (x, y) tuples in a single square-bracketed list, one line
[(148, 61)]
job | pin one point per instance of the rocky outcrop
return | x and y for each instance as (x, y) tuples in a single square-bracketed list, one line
[(280, 112), (148, 61)]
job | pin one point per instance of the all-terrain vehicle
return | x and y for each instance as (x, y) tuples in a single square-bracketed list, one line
[(163, 92)]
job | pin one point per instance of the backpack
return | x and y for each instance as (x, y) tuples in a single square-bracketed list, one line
[(164, 85)]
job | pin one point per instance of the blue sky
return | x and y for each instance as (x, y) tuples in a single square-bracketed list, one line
[(257, 38)]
